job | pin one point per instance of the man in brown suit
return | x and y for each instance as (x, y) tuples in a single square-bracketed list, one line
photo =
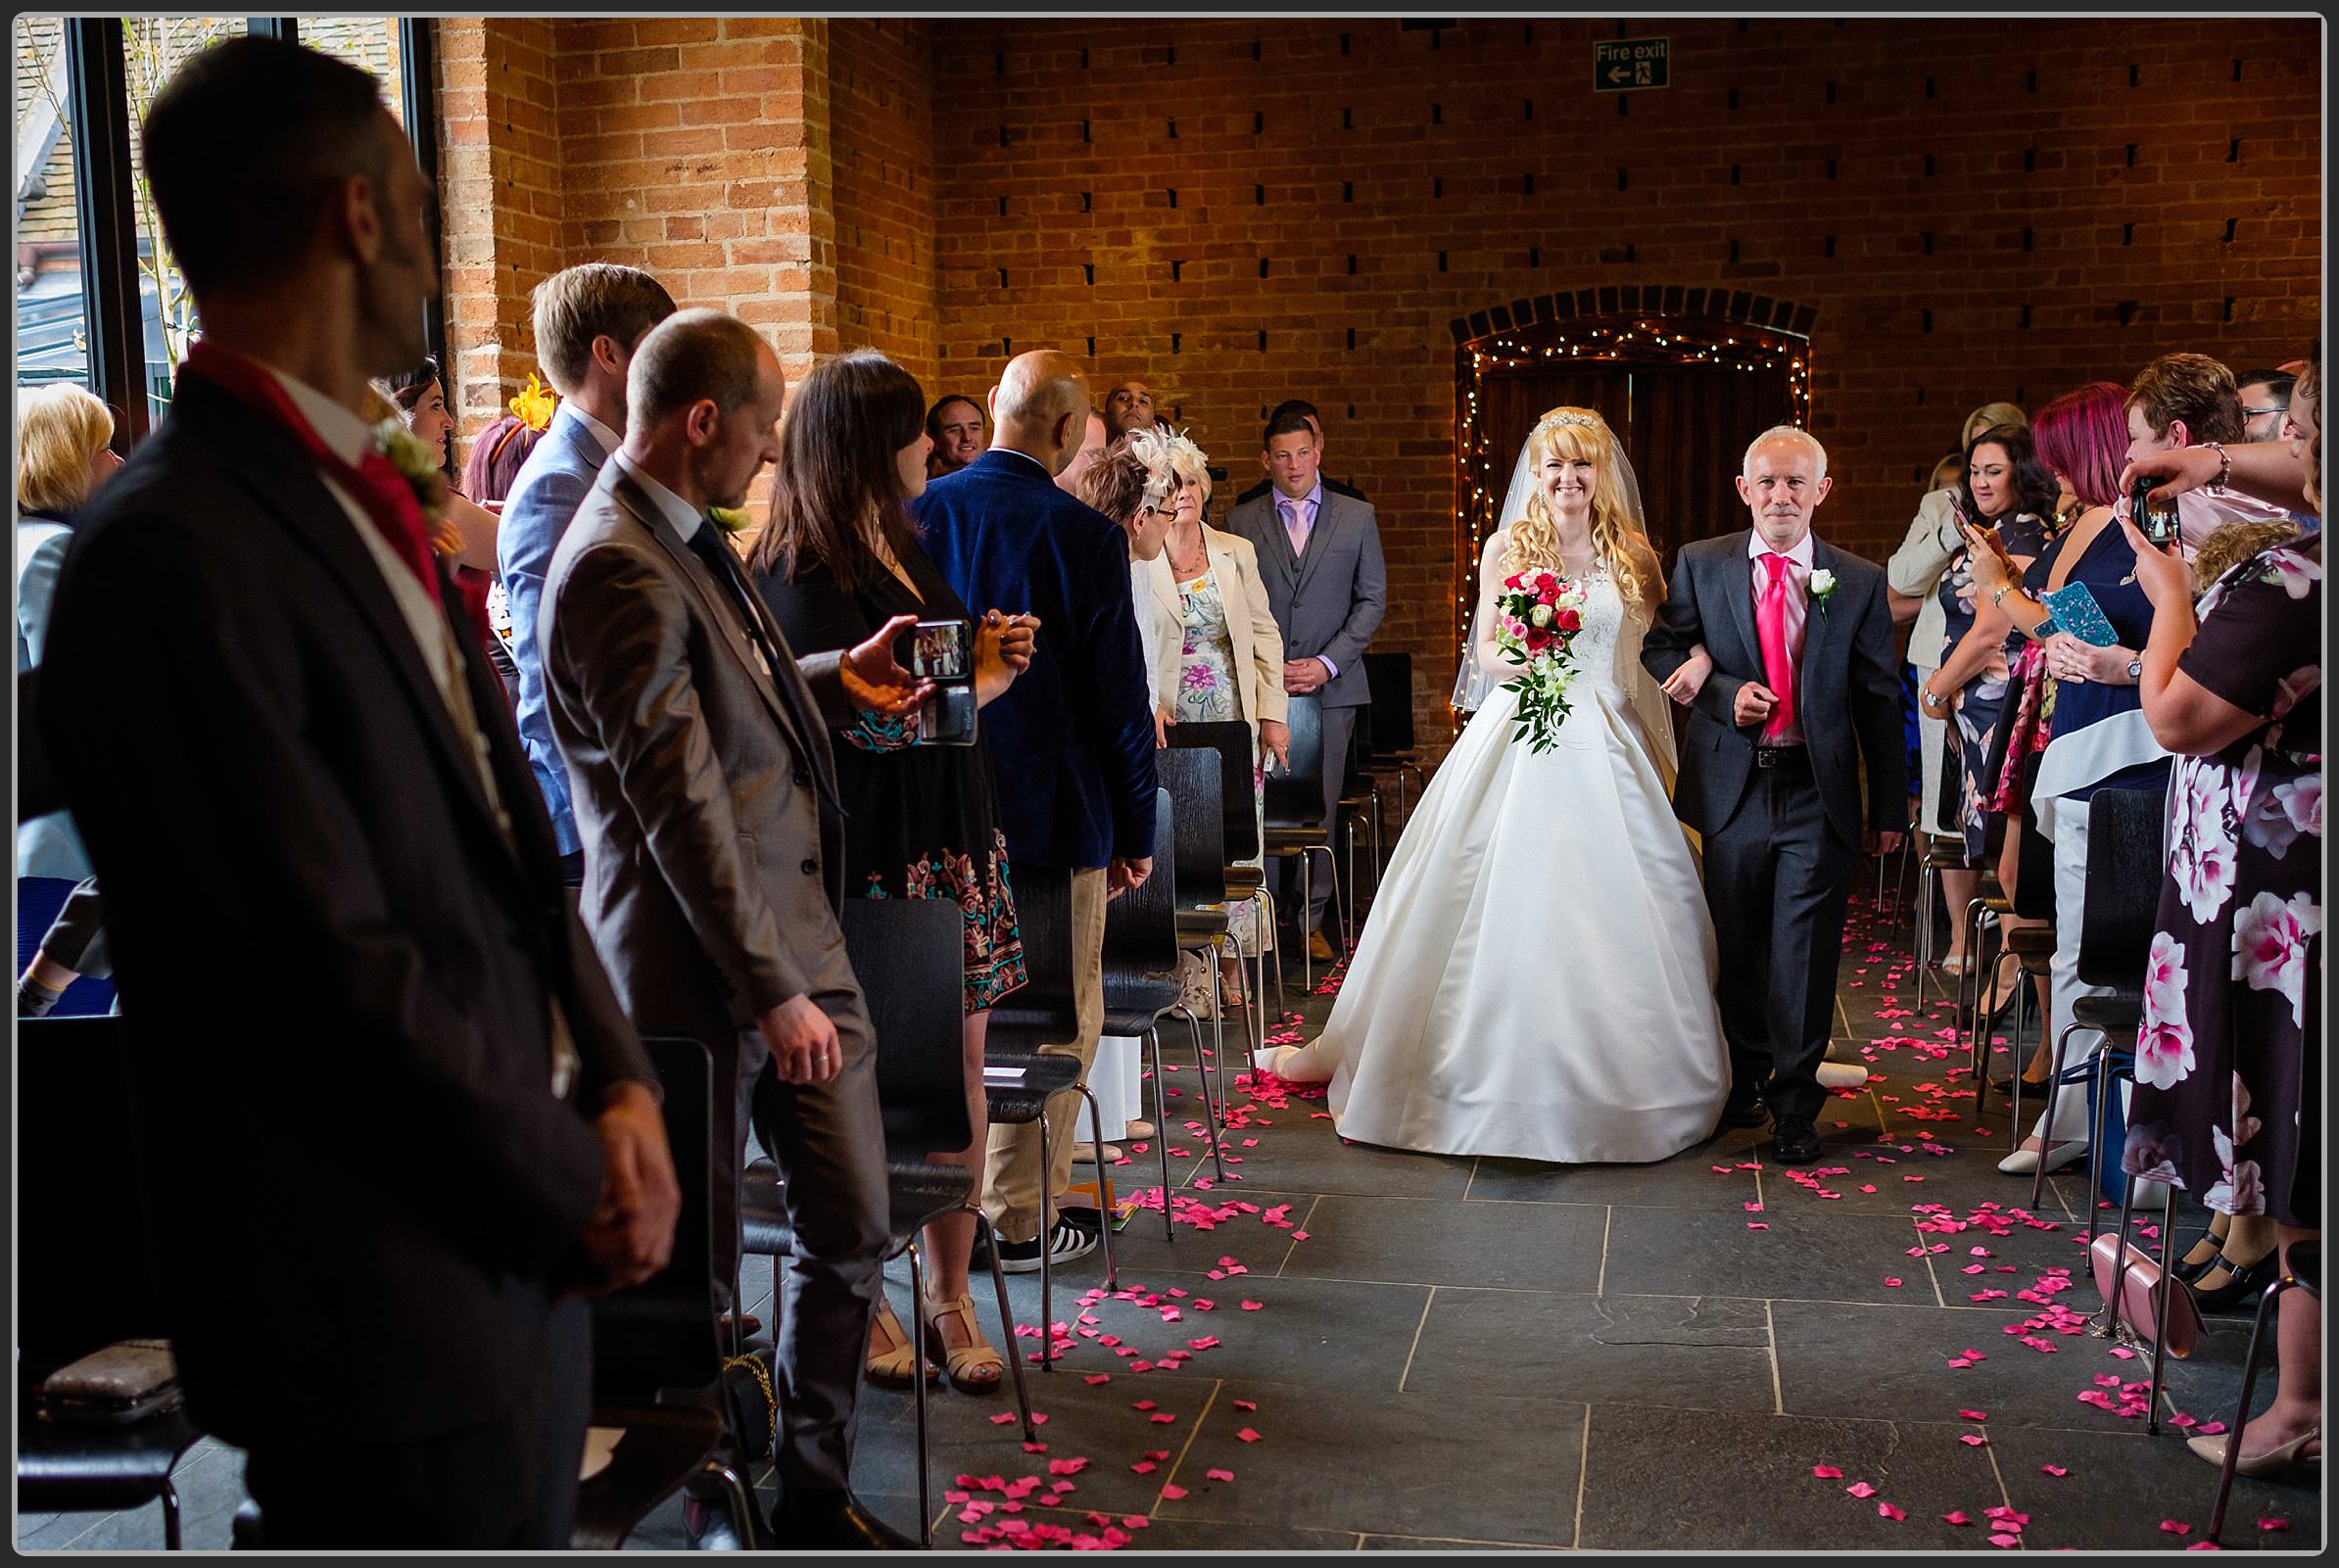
[(706, 804)]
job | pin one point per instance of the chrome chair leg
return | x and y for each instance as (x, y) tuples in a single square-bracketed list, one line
[(1015, 1359), (742, 1508), (2047, 1120), (1266, 942), (1104, 1206), (1307, 899), (2168, 1285), (2241, 1407), (171, 1522), (1161, 1128), (1047, 1246), (1212, 1122), (926, 1507)]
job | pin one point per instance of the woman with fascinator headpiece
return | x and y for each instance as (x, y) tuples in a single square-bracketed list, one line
[(1536, 979)]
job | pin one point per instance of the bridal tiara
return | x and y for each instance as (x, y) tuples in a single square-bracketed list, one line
[(1566, 418)]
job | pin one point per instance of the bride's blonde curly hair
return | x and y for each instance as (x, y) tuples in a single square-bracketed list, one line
[(1579, 433)]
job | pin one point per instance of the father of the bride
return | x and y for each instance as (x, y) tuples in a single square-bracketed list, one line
[(1803, 690)]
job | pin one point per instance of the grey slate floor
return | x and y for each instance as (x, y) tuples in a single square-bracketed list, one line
[(1480, 1353)]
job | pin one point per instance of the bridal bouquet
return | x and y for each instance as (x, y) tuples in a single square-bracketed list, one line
[(1537, 617)]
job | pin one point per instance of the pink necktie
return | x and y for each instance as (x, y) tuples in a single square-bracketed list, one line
[(1770, 627), (1294, 527)]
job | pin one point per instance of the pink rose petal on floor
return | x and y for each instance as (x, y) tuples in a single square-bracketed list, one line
[(1827, 1472), (2273, 1524), (1219, 1475), (2055, 1470), (1973, 1416), (1861, 1488), (1888, 1510), (1247, 1435), (1956, 1516), (1162, 1417), (1892, 1280), (2175, 1527), (1002, 1419), (2005, 1540), (1246, 1404), (1973, 1440), (1172, 1491)]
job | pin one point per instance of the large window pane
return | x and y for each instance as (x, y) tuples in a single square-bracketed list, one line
[(153, 50), (51, 342), (370, 43)]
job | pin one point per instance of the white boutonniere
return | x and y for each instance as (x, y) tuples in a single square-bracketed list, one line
[(417, 464), (1822, 587)]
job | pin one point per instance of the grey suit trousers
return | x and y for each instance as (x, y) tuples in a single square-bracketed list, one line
[(829, 1141)]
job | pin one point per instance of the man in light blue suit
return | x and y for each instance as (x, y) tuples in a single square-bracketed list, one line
[(588, 321)]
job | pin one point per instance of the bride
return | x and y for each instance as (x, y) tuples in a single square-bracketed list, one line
[(1536, 979)]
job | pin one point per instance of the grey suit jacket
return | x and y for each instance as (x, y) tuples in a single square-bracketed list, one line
[(705, 791), (1331, 601), (1849, 687)]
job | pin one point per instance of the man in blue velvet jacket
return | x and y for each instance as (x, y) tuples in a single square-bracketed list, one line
[(1073, 740), (588, 321)]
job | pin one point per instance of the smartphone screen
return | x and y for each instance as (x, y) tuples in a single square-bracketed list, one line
[(943, 652)]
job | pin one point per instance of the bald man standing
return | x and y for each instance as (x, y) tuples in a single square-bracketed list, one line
[(1072, 738)]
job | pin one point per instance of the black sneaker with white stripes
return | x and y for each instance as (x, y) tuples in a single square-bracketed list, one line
[(1069, 1242)]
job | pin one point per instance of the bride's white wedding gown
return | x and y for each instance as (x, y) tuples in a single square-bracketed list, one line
[(1536, 980)]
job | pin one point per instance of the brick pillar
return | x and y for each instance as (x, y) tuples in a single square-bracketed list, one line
[(499, 196)]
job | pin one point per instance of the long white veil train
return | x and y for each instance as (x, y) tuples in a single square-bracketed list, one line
[(1650, 703)]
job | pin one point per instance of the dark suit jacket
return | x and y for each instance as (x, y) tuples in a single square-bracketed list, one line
[(366, 1188), (705, 791), (1074, 736), (1332, 601), (1849, 685), (1333, 484)]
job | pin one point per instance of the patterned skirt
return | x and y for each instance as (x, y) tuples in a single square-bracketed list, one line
[(995, 947)]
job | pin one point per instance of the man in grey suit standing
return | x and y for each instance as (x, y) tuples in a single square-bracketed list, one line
[(1320, 553), (1804, 690), (588, 321), (706, 794)]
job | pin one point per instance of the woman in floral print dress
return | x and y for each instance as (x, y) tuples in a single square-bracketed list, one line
[(2228, 1099), (838, 558)]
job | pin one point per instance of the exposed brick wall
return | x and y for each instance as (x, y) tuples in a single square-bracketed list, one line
[(880, 91), (1951, 199), (1416, 160), (500, 200)]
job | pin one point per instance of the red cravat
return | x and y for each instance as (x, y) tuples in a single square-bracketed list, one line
[(1770, 628), (373, 482)]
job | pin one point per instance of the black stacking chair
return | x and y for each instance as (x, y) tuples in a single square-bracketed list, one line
[(1390, 746), (84, 1271), (1141, 973), (2124, 894), (1043, 1011), (2033, 944), (1192, 779), (2304, 1271), (1295, 815), (909, 956), (1232, 742), (657, 1360)]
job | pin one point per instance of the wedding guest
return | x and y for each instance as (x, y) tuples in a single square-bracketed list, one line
[(2189, 400), (64, 457), (2008, 490), (1126, 493), (1092, 446), (497, 456), (2228, 1098), (706, 795), (1306, 411), (2264, 403), (1913, 577), (1327, 612), (255, 603), (840, 559), (588, 320), (1129, 408), (419, 395), (1230, 653), (1078, 724), (2099, 738), (954, 424)]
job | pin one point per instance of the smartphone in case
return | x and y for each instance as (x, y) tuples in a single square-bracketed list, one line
[(2156, 523), (943, 652)]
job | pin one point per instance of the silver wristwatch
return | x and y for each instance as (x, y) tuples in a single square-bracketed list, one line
[(2135, 670)]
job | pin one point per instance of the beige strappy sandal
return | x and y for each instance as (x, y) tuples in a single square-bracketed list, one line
[(975, 1368), (892, 1366)]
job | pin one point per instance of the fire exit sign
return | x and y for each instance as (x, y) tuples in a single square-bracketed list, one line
[(1624, 63)]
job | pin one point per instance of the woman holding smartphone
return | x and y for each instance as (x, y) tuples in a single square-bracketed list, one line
[(2101, 739), (837, 559)]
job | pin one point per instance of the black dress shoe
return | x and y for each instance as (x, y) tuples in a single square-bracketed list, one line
[(1797, 1142), (837, 1521), (1749, 1114), (2244, 1286)]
